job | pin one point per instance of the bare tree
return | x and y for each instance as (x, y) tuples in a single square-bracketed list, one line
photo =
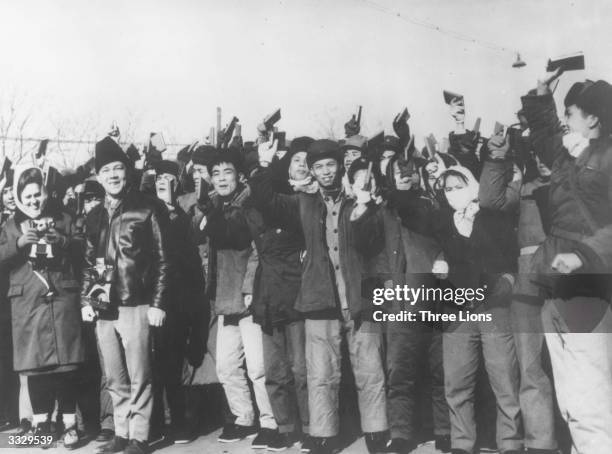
[(15, 114)]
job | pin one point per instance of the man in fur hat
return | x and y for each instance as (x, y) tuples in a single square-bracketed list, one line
[(126, 245)]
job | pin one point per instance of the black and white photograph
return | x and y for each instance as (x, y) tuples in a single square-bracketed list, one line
[(306, 226)]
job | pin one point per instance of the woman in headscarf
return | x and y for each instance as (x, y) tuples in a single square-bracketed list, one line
[(479, 248), (36, 245)]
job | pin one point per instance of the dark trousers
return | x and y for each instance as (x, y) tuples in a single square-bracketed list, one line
[(9, 380), (285, 368), (169, 343), (415, 381), (45, 389)]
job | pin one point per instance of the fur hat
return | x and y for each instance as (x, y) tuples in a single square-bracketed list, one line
[(107, 151)]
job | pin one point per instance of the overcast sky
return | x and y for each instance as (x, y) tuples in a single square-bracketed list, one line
[(165, 65)]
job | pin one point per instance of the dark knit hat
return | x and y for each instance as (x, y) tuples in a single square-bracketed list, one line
[(322, 149), (166, 166), (93, 189), (107, 151), (596, 99), (204, 154)]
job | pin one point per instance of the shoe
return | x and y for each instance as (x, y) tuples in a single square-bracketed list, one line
[(183, 436), (280, 442), (105, 435), (541, 451), (263, 438), (71, 439), (323, 445), (399, 446), (8, 425), (155, 437), (443, 443), (25, 427), (376, 442), (235, 432), (117, 444), (136, 447), (306, 443)]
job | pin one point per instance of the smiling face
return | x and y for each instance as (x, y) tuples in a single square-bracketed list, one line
[(298, 169), (224, 178), (113, 178), (349, 156), (325, 171), (32, 198)]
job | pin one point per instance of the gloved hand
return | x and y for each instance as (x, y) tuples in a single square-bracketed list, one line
[(351, 127), (401, 129)]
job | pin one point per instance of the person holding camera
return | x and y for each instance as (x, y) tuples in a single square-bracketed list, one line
[(125, 286), (36, 246)]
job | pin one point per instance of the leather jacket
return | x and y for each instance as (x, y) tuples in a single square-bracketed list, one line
[(134, 243)]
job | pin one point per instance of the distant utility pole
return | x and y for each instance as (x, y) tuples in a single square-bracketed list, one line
[(218, 124)]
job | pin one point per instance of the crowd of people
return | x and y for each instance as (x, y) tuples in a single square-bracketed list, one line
[(132, 282)]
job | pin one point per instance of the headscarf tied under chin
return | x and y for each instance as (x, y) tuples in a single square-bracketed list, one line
[(23, 176), (463, 201)]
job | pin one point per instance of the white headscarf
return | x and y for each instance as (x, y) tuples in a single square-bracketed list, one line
[(464, 202), (33, 214)]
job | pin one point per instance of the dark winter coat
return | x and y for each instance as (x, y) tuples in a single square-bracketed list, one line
[(46, 321), (234, 257), (318, 295)]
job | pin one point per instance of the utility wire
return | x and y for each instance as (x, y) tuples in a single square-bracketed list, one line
[(431, 26)]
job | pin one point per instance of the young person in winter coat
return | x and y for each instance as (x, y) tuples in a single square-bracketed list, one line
[(502, 188), (479, 253), (330, 298), (239, 338), (277, 283), (573, 264), (415, 347), (36, 245)]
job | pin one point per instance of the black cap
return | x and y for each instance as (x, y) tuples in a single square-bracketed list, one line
[(596, 99), (107, 151), (166, 166), (322, 149), (93, 189), (574, 92)]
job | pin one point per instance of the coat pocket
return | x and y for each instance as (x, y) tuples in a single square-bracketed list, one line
[(15, 290)]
